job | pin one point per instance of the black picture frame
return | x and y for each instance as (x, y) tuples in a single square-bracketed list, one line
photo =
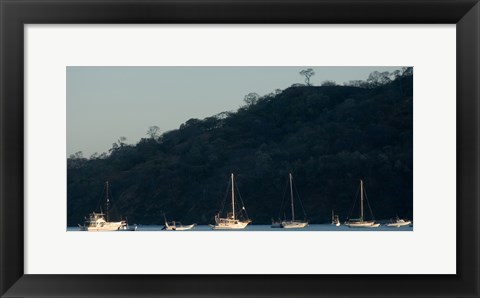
[(16, 13)]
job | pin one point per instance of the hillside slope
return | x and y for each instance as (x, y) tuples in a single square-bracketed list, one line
[(328, 137)]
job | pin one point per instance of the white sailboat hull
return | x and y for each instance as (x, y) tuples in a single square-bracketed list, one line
[(185, 228), (226, 224), (363, 224), (294, 224), (179, 228)]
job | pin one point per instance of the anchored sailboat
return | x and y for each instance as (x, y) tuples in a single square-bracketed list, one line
[(231, 221), (177, 226), (293, 224), (100, 221), (361, 222)]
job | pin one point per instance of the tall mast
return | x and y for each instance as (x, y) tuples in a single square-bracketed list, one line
[(361, 199), (233, 199), (291, 197), (106, 196)]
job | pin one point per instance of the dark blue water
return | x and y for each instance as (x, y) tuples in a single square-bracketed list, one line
[(267, 228)]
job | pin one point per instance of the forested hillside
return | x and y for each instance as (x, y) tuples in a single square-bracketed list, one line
[(328, 137)]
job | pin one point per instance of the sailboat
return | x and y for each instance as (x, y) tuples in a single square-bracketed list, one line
[(176, 226), (335, 219), (231, 221), (293, 224), (100, 221), (361, 222)]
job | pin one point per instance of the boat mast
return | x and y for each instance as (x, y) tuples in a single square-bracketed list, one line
[(106, 196), (291, 197), (361, 199), (233, 199)]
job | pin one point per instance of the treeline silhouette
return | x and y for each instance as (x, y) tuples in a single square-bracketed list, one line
[(328, 137)]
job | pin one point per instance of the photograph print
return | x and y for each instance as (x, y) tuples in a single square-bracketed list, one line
[(239, 148)]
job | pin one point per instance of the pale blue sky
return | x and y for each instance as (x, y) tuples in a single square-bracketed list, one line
[(104, 103)]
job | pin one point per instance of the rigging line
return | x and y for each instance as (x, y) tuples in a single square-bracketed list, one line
[(192, 207), (354, 202), (113, 207), (184, 216), (283, 201), (241, 200), (115, 211), (225, 197), (112, 203), (301, 204), (368, 204), (100, 200)]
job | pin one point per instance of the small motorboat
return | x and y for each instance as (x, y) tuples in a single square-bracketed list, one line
[(276, 225), (335, 219), (398, 222), (98, 221)]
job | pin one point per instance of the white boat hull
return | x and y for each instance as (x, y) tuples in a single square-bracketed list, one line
[(399, 224), (364, 224), (180, 228), (129, 228), (230, 226), (106, 226), (294, 224), (185, 228), (335, 220)]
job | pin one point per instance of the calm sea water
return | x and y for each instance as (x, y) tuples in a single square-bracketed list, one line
[(267, 228)]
